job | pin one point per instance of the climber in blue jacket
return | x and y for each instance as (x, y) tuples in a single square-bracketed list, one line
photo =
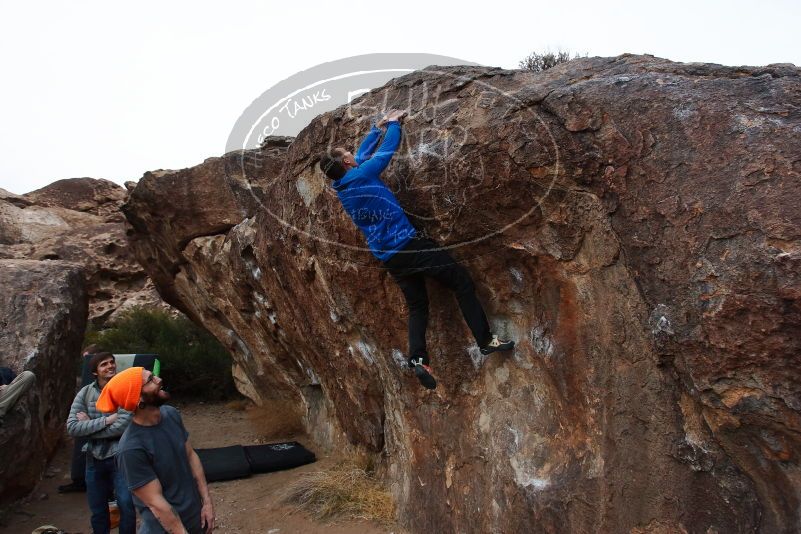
[(408, 256)]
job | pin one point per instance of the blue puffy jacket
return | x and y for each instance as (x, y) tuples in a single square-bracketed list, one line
[(370, 203)]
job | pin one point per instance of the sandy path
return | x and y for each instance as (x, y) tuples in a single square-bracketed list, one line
[(242, 506)]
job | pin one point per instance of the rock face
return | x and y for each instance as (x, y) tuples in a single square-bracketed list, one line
[(78, 220), (43, 309), (632, 222), (87, 195)]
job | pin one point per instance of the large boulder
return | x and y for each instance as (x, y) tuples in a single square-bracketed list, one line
[(632, 222), (43, 310), (79, 220), (208, 199), (89, 195)]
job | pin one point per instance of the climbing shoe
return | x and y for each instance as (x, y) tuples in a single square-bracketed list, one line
[(496, 345), (423, 373)]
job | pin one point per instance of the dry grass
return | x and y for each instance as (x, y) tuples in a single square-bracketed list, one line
[(276, 419), (348, 490)]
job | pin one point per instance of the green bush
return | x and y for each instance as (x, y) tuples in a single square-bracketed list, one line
[(193, 363), (539, 62)]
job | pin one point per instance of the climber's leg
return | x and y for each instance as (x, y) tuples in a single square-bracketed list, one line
[(452, 275), (445, 270), (405, 271), (414, 290)]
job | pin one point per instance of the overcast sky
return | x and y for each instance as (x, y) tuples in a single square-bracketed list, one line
[(106, 90)]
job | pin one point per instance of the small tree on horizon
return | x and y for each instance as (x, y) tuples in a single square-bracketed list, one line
[(538, 62)]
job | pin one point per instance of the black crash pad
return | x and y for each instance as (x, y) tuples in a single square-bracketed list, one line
[(224, 463), (277, 456)]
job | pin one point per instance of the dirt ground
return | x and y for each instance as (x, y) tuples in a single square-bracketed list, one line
[(243, 506)]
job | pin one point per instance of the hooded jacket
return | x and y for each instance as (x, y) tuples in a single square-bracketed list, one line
[(369, 202)]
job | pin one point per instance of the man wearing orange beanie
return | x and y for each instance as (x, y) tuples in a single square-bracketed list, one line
[(163, 471)]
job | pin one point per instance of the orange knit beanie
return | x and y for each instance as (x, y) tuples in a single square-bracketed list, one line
[(122, 391)]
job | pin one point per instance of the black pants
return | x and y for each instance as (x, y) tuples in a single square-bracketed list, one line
[(420, 259)]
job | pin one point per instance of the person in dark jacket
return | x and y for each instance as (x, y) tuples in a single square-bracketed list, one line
[(409, 256), (101, 433), (78, 463)]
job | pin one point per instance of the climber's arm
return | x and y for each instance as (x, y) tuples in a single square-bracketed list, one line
[(379, 161), (369, 144)]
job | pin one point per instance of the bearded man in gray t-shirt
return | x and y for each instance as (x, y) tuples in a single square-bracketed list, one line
[(163, 471)]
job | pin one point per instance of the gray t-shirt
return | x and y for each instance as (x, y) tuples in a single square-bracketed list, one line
[(159, 451)]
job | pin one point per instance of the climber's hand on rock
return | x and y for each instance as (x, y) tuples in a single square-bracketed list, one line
[(395, 115), (385, 118)]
